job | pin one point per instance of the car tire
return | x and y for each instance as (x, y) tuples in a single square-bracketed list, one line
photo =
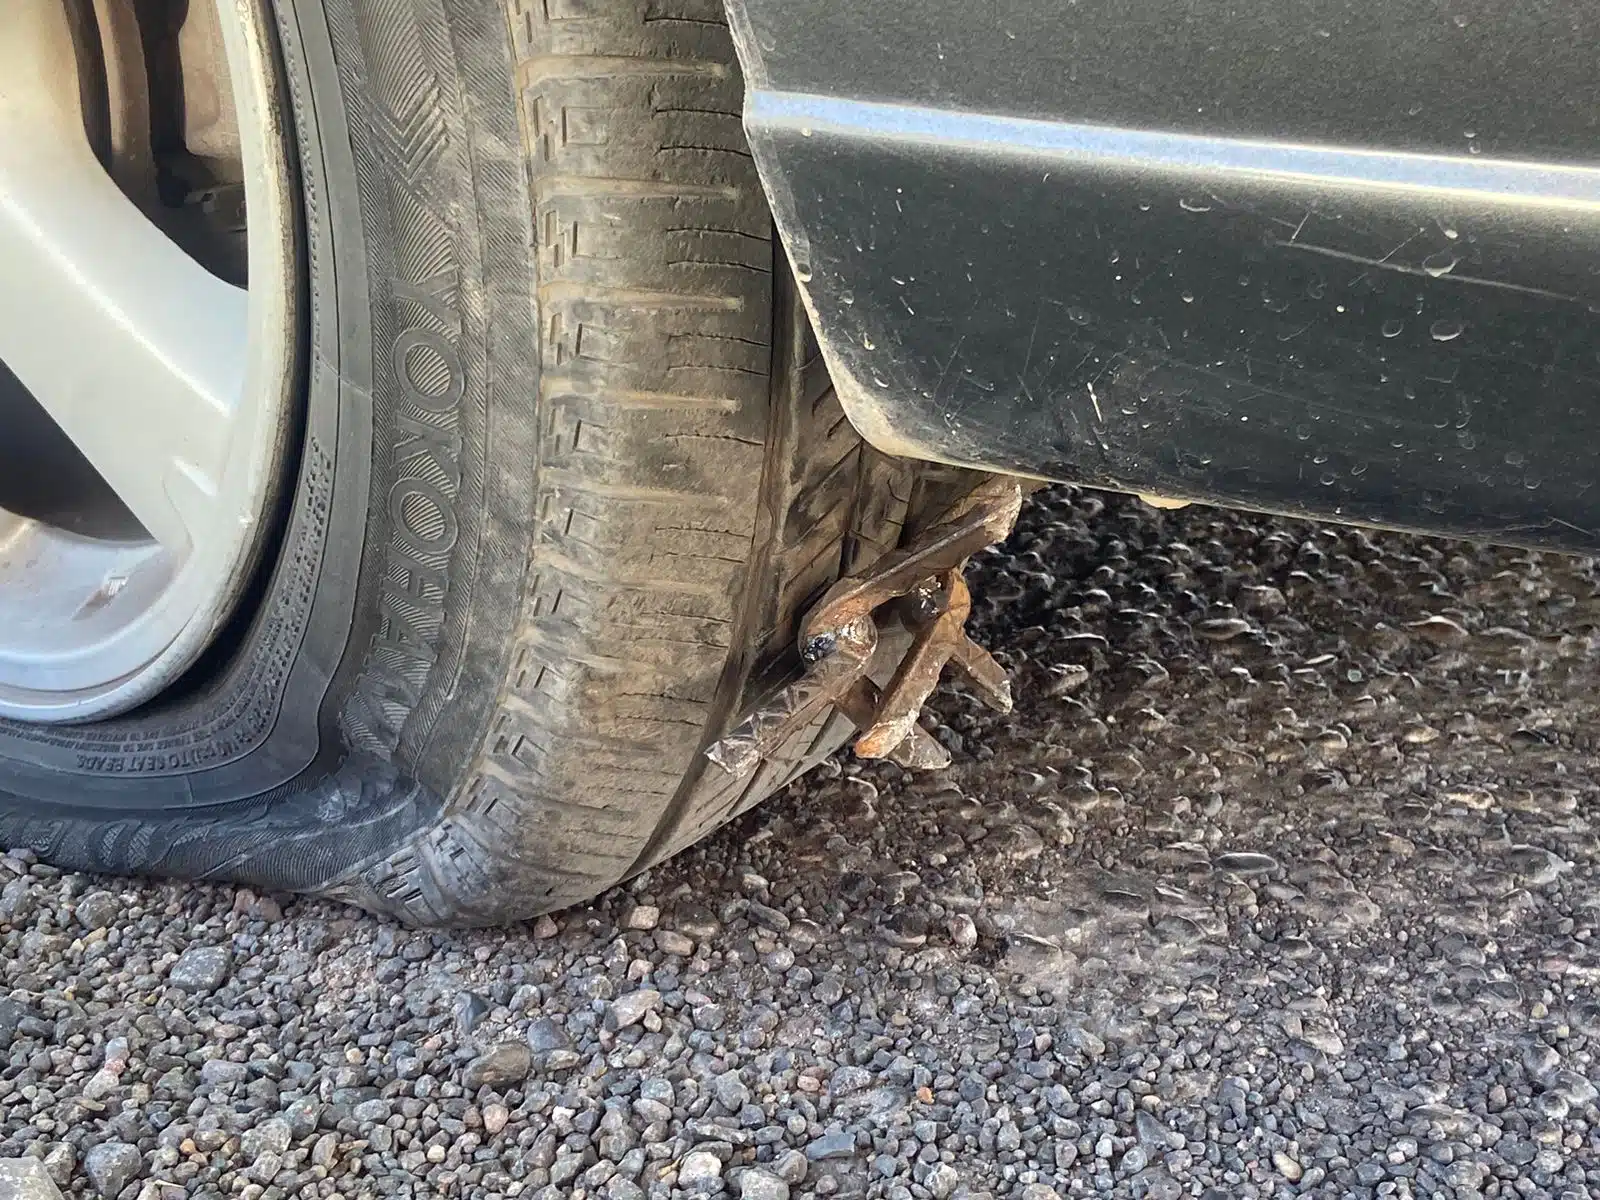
[(569, 472)]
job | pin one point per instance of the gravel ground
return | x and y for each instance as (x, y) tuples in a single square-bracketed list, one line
[(1282, 880)]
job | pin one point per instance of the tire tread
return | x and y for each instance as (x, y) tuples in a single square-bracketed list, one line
[(688, 503)]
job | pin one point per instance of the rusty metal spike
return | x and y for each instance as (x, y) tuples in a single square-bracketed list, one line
[(839, 635), (917, 751)]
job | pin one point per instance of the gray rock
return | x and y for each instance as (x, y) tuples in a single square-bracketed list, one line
[(791, 1166), (699, 1169), (771, 919), (832, 1145), (963, 932), (1232, 1092), (757, 1184), (730, 1091), (565, 1169), (849, 1079), (59, 1163), (97, 910), (27, 1179), (216, 1071), (642, 917), (112, 1166), (469, 1009), (1575, 1087), (670, 941), (544, 1035), (325, 1150), (1287, 1166), (1152, 1134), (504, 1065), (102, 1083), (16, 900), (630, 1009), (270, 1136), (710, 1017), (1539, 1060), (658, 1089), (264, 1169), (302, 1116), (12, 1014), (653, 1111), (942, 1181), (201, 970), (696, 921)]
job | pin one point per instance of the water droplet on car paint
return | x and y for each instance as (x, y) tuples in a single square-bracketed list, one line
[(805, 131), (1194, 206), (1392, 328), (1188, 297), (1440, 263), (847, 298), (1446, 330), (1079, 316), (868, 344)]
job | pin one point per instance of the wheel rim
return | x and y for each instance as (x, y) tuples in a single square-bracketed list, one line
[(145, 400)]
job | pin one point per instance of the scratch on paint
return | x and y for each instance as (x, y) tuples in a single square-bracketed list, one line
[(944, 372), (1403, 269), (1385, 259), (1099, 416), (1579, 529), (1032, 337)]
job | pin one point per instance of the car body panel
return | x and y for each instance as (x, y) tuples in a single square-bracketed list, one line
[(1343, 268)]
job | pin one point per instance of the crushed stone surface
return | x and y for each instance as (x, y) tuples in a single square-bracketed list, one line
[(1283, 879)]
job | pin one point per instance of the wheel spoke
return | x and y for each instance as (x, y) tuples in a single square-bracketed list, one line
[(133, 348)]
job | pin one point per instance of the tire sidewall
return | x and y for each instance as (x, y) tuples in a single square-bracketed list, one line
[(362, 681)]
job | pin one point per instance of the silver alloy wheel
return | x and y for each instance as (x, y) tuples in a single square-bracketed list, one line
[(173, 385)]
